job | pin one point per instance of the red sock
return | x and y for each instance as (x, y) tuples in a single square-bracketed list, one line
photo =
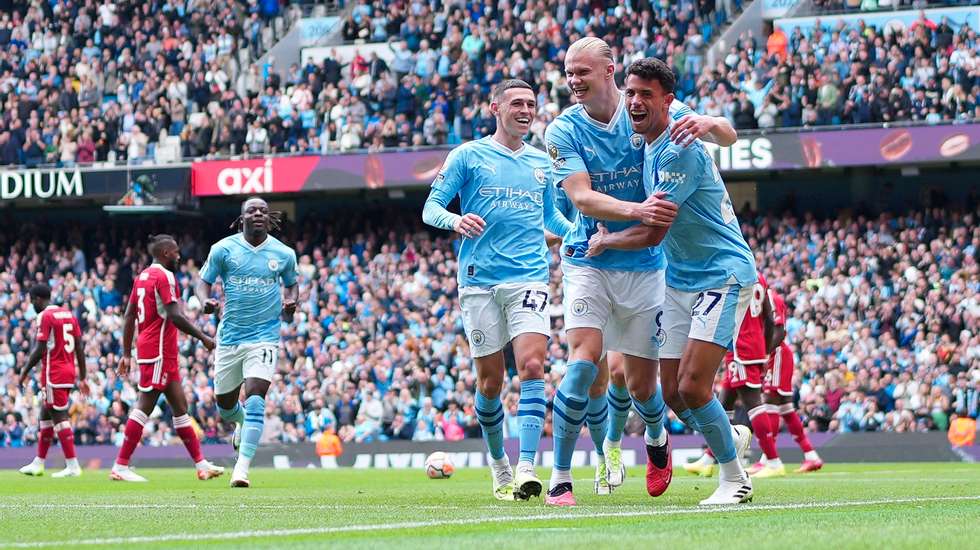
[(45, 437), (763, 431), (67, 438), (795, 427), (773, 415), (187, 434), (707, 452), (134, 433)]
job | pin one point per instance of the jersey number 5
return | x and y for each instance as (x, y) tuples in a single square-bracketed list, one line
[(68, 337), (535, 300)]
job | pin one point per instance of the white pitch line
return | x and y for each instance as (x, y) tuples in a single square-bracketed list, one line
[(236, 535)]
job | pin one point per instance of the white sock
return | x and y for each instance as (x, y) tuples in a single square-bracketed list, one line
[(558, 477), (202, 465), (72, 463), (659, 442), (732, 471), (38, 461), (243, 463), (525, 466), (607, 444), (705, 460), (500, 464), (763, 458), (811, 455), (775, 463)]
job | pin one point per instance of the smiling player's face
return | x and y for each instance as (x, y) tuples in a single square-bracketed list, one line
[(515, 110), (587, 74), (648, 105)]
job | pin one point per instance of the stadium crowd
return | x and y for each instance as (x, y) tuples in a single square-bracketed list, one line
[(92, 81), (838, 73), (96, 80), (885, 323)]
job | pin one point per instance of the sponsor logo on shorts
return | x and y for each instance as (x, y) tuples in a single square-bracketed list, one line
[(478, 337), (273, 265), (580, 307)]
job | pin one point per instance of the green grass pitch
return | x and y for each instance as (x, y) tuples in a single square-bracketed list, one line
[(843, 506)]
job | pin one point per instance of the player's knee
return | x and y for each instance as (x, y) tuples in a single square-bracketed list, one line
[(642, 392), (490, 386), (693, 391), (533, 369)]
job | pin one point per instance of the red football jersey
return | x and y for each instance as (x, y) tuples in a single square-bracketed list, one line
[(778, 308), (153, 289), (59, 331), (750, 342)]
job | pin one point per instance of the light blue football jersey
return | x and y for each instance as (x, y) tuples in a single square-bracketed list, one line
[(704, 246), (612, 155), (251, 276), (514, 194)]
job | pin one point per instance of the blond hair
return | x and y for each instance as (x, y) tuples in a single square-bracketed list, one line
[(591, 44)]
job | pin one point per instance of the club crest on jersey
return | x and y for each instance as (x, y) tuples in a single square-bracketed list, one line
[(539, 175), (477, 337), (273, 265), (580, 307), (636, 140)]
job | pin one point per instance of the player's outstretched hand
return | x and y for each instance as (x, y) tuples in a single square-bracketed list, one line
[(470, 226), (690, 128), (288, 309), (23, 378), (83, 387), (658, 211), (208, 342), (123, 368), (211, 306), (597, 244)]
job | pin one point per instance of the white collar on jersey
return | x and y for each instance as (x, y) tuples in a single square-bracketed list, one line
[(507, 150), (660, 139), (241, 237), (611, 125), (157, 264)]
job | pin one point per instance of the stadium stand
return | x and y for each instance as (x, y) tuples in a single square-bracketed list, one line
[(84, 83), (884, 317)]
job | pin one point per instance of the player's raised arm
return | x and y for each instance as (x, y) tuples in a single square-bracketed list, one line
[(291, 289), (572, 174), (713, 129), (636, 237), (444, 188), (213, 268), (555, 222)]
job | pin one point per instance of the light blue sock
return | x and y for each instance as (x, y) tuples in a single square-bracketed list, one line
[(252, 428), (571, 400), (619, 411), (652, 412), (530, 416), (490, 414), (687, 417), (236, 415), (717, 430), (597, 417)]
